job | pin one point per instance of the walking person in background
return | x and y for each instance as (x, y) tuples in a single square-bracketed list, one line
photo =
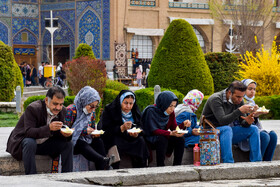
[(268, 138), (41, 74), (139, 75), (33, 75), (24, 72), (28, 75), (186, 111)]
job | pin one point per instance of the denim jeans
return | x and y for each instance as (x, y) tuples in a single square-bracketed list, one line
[(233, 135), (268, 144)]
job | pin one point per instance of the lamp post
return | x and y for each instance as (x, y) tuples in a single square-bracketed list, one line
[(51, 25), (230, 37)]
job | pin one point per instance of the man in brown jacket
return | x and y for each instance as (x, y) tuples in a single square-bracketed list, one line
[(38, 133)]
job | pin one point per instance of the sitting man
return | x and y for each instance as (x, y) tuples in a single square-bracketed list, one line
[(226, 110), (38, 133)]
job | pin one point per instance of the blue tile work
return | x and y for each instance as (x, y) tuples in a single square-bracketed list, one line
[(65, 33), (5, 8), (58, 6), (26, 1), (102, 9), (30, 24), (89, 31), (32, 40), (4, 33), (25, 10), (94, 4), (106, 30)]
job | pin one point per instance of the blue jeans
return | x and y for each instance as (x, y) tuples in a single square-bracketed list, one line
[(268, 144), (233, 135)]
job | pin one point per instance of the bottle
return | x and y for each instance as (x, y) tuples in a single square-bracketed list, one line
[(196, 155)]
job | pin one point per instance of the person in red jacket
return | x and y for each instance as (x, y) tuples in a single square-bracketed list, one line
[(160, 124)]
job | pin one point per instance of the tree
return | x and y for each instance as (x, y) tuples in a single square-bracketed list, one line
[(10, 73), (264, 68), (84, 50), (249, 18), (179, 62)]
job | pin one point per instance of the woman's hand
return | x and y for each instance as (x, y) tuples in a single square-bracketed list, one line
[(195, 132), (127, 125), (95, 135), (187, 123), (133, 134), (174, 133), (89, 130)]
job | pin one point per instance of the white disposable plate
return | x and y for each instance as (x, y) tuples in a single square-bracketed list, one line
[(98, 132), (182, 132), (64, 130), (134, 131), (260, 110)]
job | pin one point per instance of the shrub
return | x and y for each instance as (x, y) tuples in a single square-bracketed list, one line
[(31, 99), (223, 67), (9, 72), (109, 95), (84, 50), (83, 72), (179, 62), (68, 100), (115, 85), (264, 68), (145, 97)]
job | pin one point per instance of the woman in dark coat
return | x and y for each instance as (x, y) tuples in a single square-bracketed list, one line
[(160, 125), (119, 116)]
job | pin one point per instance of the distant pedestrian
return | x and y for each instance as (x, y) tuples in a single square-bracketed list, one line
[(139, 75), (41, 74), (33, 75)]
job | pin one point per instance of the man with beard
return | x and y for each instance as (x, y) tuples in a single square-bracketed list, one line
[(38, 133)]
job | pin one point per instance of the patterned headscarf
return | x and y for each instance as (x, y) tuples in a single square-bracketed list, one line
[(193, 99), (85, 96)]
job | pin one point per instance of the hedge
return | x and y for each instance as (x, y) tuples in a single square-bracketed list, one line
[(179, 62)]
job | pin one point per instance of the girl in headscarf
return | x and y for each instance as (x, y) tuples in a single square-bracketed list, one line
[(268, 139), (119, 116), (159, 125), (186, 111), (81, 117)]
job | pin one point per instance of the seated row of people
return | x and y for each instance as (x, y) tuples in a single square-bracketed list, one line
[(39, 129)]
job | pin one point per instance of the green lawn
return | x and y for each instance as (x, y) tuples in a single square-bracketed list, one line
[(8, 119)]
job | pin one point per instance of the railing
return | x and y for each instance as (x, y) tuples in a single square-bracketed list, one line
[(147, 3), (189, 5)]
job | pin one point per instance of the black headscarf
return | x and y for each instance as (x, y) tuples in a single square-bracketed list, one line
[(153, 116), (111, 120)]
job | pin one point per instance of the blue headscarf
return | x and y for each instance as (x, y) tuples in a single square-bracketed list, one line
[(85, 96), (127, 116)]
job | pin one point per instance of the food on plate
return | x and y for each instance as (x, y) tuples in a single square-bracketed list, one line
[(67, 130), (263, 109), (97, 132), (134, 129)]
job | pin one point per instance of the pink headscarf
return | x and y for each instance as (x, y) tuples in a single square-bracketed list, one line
[(193, 99)]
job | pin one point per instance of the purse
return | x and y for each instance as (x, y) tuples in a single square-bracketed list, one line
[(209, 144)]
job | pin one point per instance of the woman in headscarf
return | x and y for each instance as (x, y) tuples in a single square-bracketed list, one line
[(117, 118), (268, 139), (159, 125), (186, 111), (81, 117)]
